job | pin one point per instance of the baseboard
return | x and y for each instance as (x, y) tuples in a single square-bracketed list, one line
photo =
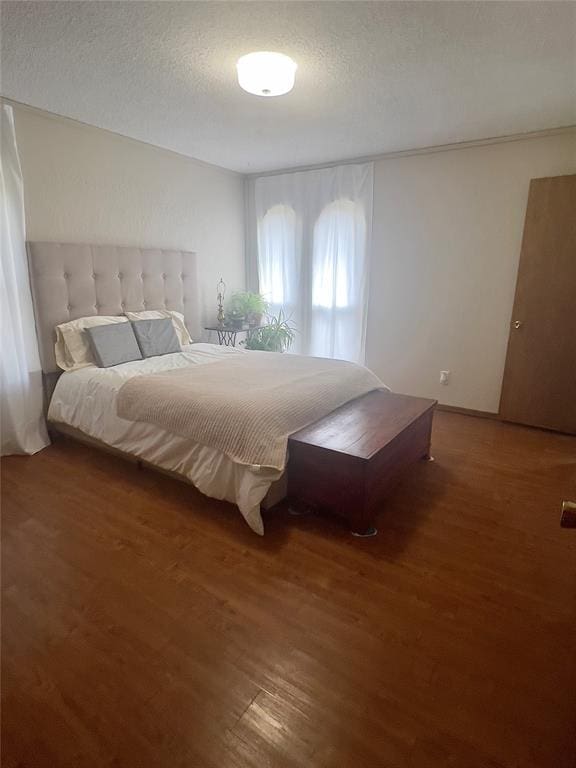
[(497, 417), (467, 411)]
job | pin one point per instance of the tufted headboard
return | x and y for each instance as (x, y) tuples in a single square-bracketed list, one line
[(71, 280)]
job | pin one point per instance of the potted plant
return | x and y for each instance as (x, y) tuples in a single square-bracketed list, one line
[(276, 336), (235, 318), (249, 306)]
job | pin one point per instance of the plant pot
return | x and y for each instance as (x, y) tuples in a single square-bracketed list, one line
[(254, 319)]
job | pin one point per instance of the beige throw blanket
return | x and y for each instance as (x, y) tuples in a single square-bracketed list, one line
[(247, 405)]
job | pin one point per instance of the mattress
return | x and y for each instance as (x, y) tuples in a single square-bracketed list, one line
[(86, 400)]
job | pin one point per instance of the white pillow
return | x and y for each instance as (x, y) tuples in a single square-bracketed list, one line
[(72, 348), (156, 314)]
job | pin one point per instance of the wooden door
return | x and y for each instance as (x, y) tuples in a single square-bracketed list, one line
[(539, 386)]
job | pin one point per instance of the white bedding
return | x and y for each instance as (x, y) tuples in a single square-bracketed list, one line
[(86, 399)]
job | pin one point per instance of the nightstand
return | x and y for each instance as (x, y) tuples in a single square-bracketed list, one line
[(227, 336)]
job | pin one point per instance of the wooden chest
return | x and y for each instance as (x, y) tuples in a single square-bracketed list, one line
[(347, 461)]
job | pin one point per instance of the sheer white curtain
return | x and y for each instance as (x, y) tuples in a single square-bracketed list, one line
[(278, 266), (312, 248), (23, 429)]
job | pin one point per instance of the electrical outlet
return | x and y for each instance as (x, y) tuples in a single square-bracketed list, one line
[(444, 377)]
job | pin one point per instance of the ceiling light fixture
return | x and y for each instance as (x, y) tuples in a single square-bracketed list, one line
[(264, 73)]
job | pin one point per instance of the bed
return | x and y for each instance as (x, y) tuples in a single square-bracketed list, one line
[(84, 403), (72, 281)]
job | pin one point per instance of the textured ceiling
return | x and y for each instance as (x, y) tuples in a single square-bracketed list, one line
[(372, 77)]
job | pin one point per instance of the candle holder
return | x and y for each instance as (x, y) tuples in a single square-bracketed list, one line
[(220, 295)]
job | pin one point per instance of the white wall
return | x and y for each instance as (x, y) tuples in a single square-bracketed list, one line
[(82, 184), (446, 242)]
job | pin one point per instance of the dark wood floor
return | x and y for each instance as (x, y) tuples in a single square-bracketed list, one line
[(144, 625)]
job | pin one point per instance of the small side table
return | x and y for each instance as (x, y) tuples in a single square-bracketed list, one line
[(227, 336)]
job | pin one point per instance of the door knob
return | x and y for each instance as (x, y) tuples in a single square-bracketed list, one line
[(517, 324)]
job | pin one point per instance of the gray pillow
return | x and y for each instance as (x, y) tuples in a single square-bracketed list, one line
[(113, 344), (156, 337)]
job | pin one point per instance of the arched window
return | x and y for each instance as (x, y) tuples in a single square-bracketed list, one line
[(338, 254), (312, 232), (277, 255)]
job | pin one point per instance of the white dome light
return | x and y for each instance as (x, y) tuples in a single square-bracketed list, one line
[(266, 74)]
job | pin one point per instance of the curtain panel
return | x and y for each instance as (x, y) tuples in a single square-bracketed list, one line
[(308, 253), (23, 429)]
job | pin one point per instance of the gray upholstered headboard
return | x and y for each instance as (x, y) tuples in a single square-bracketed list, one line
[(71, 280)]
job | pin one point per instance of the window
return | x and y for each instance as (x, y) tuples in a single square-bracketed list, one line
[(334, 265), (312, 242), (277, 255)]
